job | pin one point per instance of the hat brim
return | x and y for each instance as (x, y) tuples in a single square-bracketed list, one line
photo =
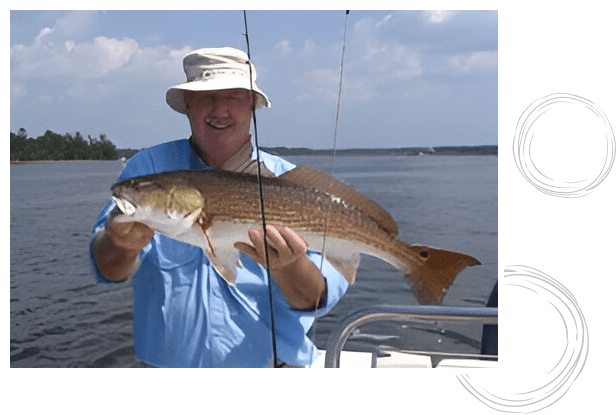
[(175, 94)]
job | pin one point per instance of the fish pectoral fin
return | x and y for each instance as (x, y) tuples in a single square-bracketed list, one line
[(223, 259), (187, 224), (193, 216), (221, 238)]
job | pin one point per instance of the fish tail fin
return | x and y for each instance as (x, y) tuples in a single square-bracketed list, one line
[(430, 271)]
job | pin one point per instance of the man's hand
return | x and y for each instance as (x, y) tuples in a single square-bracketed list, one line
[(131, 236), (116, 249), (286, 246), (300, 281)]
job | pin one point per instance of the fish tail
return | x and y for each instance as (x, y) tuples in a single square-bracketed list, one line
[(430, 271)]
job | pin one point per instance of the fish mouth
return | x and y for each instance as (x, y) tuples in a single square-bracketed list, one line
[(125, 206)]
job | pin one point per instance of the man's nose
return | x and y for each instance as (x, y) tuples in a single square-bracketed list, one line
[(220, 108)]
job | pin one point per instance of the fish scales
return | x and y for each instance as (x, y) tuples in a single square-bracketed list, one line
[(318, 180), (209, 208), (293, 205)]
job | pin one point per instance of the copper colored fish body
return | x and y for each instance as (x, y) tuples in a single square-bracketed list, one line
[(214, 209)]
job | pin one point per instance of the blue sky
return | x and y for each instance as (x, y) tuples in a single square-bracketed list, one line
[(411, 78)]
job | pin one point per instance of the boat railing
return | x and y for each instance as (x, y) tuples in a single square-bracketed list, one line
[(342, 332)]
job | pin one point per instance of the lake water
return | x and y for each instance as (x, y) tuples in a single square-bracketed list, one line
[(61, 318)]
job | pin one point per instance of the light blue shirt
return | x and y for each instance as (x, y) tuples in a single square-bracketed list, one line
[(186, 315)]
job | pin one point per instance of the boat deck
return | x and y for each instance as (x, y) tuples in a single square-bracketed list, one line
[(386, 357)]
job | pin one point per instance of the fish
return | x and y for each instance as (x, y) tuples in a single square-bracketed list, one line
[(214, 209)]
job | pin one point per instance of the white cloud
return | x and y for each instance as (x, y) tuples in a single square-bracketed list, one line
[(384, 21), (309, 46), (47, 59), (42, 34), (474, 62), (90, 69), (438, 16), (109, 54), (376, 65), (284, 47), (69, 45)]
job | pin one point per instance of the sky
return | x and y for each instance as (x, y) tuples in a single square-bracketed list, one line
[(410, 78)]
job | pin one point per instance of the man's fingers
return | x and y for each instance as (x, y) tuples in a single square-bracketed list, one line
[(130, 235), (296, 242), (249, 250)]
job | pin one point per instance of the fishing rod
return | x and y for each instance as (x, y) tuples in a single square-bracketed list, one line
[(262, 202), (346, 18), (333, 165), (260, 184)]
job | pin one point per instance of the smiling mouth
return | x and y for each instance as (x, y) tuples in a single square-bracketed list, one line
[(217, 126)]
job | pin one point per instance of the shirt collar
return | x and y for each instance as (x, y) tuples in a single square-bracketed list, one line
[(244, 161), (240, 160)]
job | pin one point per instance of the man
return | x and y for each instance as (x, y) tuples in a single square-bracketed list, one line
[(186, 315)]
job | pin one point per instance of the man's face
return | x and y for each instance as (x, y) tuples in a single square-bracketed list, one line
[(219, 119)]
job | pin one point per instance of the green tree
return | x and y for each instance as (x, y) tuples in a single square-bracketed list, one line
[(53, 146)]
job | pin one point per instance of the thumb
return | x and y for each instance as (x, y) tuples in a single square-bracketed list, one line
[(247, 249)]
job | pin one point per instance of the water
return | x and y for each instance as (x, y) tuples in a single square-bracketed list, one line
[(61, 318)]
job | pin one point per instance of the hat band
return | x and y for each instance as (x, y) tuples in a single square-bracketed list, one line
[(217, 72)]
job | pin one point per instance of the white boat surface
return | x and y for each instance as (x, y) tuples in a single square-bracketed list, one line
[(386, 357)]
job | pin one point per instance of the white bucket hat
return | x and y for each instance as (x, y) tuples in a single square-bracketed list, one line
[(212, 69)]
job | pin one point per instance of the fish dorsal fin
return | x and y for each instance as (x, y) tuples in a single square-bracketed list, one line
[(314, 179)]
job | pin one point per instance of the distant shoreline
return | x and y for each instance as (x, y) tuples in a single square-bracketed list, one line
[(52, 161), (299, 151), (403, 151)]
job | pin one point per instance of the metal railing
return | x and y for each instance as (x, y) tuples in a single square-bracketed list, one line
[(340, 335)]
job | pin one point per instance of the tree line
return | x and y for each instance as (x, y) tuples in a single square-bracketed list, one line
[(53, 146)]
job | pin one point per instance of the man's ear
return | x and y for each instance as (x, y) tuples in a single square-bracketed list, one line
[(255, 99)]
